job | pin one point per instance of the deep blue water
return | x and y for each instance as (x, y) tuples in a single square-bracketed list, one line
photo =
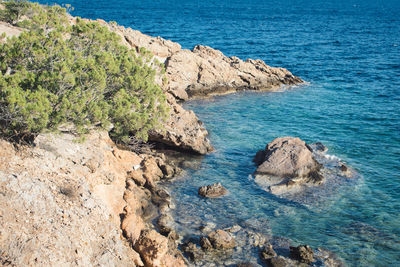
[(349, 52)]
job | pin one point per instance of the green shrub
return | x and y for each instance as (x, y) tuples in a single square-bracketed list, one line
[(56, 74), (13, 11)]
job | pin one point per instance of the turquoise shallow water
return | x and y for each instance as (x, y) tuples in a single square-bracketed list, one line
[(349, 51)]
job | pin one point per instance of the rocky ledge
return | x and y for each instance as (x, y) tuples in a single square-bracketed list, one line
[(204, 71)]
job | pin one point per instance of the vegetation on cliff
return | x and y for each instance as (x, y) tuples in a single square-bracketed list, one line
[(62, 71)]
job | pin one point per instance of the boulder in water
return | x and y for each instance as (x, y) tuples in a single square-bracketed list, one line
[(285, 164), (213, 191), (221, 239)]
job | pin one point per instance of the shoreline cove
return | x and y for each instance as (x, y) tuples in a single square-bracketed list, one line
[(200, 194)]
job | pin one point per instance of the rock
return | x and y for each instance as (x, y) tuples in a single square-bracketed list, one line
[(288, 164), (221, 239), (155, 252), (208, 227), (205, 71), (213, 191), (246, 264), (288, 157), (345, 171), (278, 261), (259, 157), (328, 258), (267, 252), (320, 147), (165, 224), (58, 211), (183, 131), (137, 177), (302, 253), (9, 30), (192, 251), (205, 243)]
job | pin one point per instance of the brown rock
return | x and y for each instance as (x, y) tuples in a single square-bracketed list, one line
[(56, 211), (221, 239), (155, 252), (213, 191), (267, 252), (287, 157), (183, 131), (278, 261), (302, 253), (205, 71), (165, 224), (192, 251), (288, 164), (205, 243)]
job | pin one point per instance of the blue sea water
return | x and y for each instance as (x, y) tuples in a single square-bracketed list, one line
[(349, 52)]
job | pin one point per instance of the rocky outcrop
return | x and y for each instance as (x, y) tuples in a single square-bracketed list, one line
[(205, 71), (221, 239), (302, 253), (213, 190), (156, 252), (267, 252), (183, 131), (285, 164), (65, 202)]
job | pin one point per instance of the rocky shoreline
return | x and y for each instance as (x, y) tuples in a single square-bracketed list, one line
[(94, 203)]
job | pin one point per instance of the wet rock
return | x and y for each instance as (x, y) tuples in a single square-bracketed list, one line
[(302, 253), (328, 258), (345, 171), (288, 164), (205, 243), (234, 229), (320, 147), (278, 261), (213, 191), (165, 224), (208, 227), (246, 264), (221, 239), (267, 252), (259, 157), (192, 251), (160, 197)]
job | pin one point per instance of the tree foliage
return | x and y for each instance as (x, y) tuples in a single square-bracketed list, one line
[(56, 73)]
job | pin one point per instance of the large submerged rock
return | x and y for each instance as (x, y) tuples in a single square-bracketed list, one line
[(285, 164)]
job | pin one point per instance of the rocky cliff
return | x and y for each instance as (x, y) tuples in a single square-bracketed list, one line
[(67, 203)]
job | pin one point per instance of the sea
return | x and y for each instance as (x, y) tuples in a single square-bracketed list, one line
[(348, 51)]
